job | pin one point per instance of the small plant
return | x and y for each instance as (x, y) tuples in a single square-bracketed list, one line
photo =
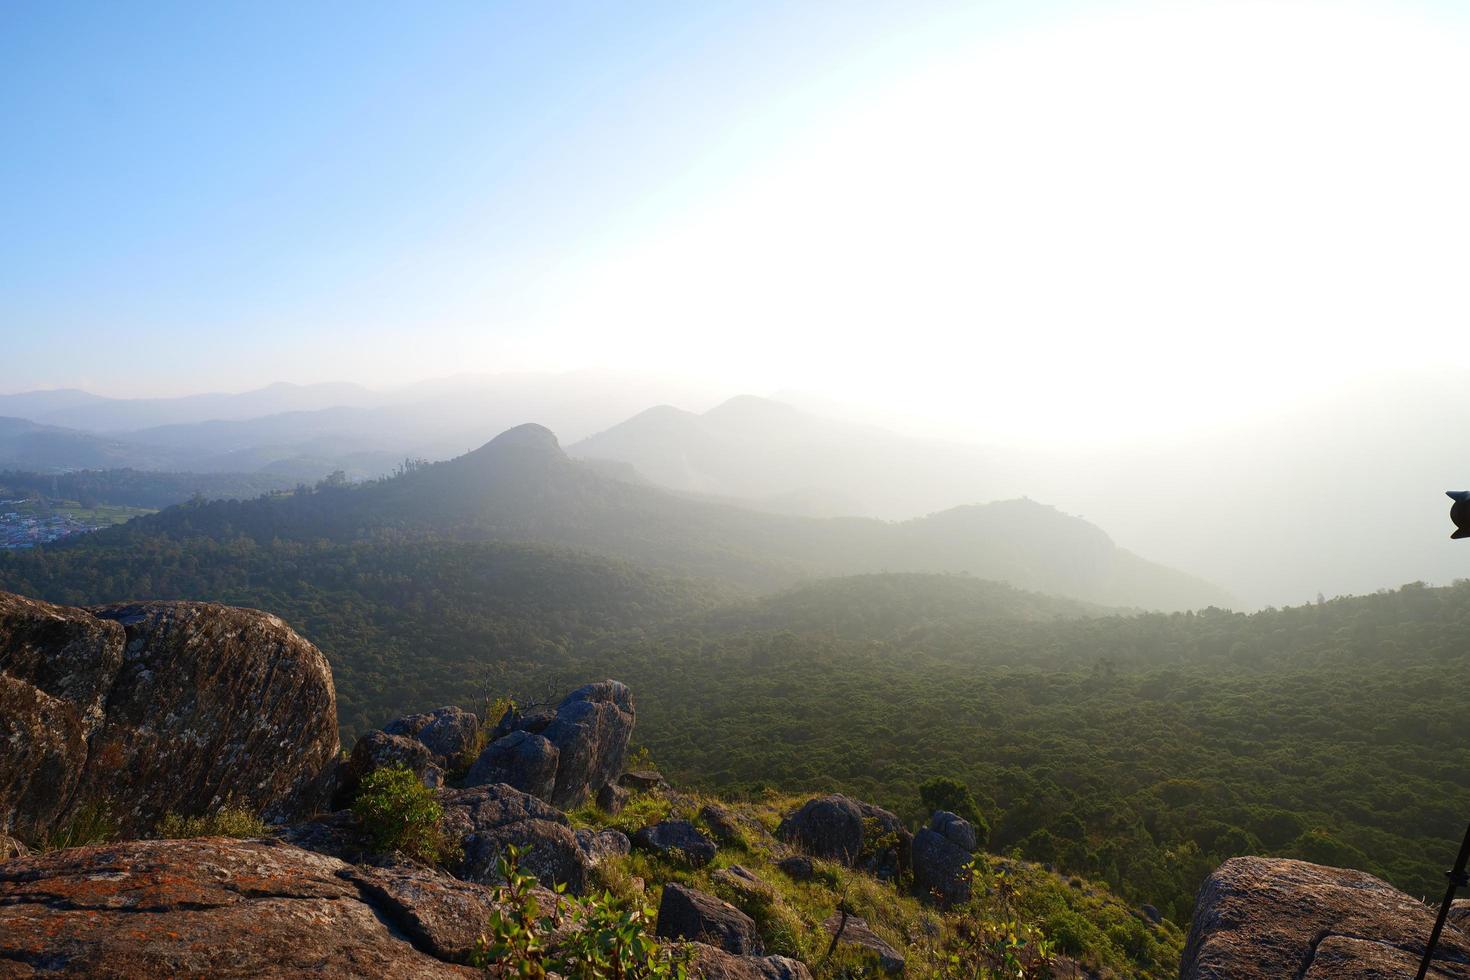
[(597, 937), (93, 823), (399, 813), (230, 821)]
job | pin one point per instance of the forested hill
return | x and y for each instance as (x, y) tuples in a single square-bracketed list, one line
[(522, 488)]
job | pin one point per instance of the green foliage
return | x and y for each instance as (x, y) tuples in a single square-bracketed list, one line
[(601, 936), (399, 813), (947, 793), (93, 823), (228, 821)]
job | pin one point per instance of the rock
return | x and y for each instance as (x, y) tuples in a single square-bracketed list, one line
[(521, 759), (224, 908), (611, 799), (379, 750), (842, 829), (711, 963), (591, 732), (602, 844), (158, 707), (686, 913), (11, 848), (1272, 917), (954, 828), (577, 749), (722, 824), (1152, 914), (679, 839), (941, 868), (854, 931), (1459, 916), (448, 732), (643, 780), (743, 882), (485, 819), (798, 867)]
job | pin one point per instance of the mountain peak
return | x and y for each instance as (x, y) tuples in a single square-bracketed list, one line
[(530, 435), (751, 407)]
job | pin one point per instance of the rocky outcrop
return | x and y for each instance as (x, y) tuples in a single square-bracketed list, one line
[(157, 707), (941, 855), (223, 908), (379, 750), (853, 931), (484, 820), (849, 831), (1272, 917), (711, 963), (578, 749), (687, 913), (448, 732), (677, 839)]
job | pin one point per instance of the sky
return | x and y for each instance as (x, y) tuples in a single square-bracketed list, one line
[(1048, 221)]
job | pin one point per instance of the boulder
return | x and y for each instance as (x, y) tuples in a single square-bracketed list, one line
[(156, 707), (954, 828), (643, 780), (687, 913), (1272, 917), (1153, 915), (853, 931), (722, 824), (448, 732), (598, 845), (941, 868), (379, 750), (521, 759), (798, 867), (484, 820), (677, 839), (224, 908), (565, 755), (611, 799), (744, 883), (711, 963), (846, 830)]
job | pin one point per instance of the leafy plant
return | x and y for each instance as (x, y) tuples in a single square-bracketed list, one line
[(399, 813)]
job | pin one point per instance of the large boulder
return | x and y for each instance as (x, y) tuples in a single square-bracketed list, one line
[(521, 759), (599, 845), (485, 820), (941, 855), (448, 732), (711, 963), (157, 707), (586, 737), (223, 908), (687, 913), (847, 830), (1258, 918), (679, 840), (380, 750)]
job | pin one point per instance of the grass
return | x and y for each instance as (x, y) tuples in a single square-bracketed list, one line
[(225, 822)]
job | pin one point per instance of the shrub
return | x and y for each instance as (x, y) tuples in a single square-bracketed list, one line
[(93, 823), (230, 821), (399, 813)]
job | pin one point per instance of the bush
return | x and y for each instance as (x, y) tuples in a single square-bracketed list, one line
[(93, 823), (399, 813), (230, 821)]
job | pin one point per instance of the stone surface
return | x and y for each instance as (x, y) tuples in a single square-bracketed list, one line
[(379, 750), (642, 780), (157, 707), (223, 908), (721, 823), (711, 963), (743, 882), (1273, 917), (485, 819), (940, 868), (678, 839), (687, 913), (448, 732), (854, 931), (798, 867), (611, 799), (954, 828), (521, 759), (600, 845), (839, 828)]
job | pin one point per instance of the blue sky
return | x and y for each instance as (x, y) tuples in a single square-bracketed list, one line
[(1067, 213)]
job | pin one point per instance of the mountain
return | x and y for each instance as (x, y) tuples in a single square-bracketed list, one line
[(79, 410), (521, 487), (27, 445)]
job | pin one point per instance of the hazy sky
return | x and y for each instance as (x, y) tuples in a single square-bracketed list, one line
[(1052, 219)]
